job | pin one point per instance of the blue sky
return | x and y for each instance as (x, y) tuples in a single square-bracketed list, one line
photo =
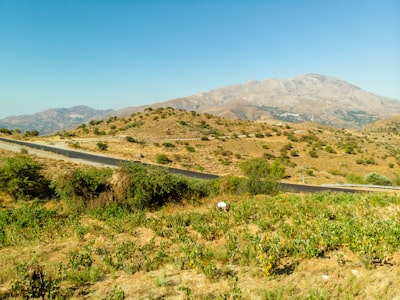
[(114, 54)]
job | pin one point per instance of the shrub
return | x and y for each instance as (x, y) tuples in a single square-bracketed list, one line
[(168, 145), (232, 185), (20, 177), (102, 146), (309, 172), (313, 154), (377, 179), (162, 159), (329, 149), (31, 133), (359, 161), (349, 149), (263, 177), (130, 139), (190, 148), (6, 130), (151, 187), (81, 187), (355, 178)]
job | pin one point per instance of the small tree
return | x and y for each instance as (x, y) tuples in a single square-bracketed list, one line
[(263, 177)]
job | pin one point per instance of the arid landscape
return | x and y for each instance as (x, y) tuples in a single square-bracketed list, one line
[(92, 243), (200, 150), (312, 153)]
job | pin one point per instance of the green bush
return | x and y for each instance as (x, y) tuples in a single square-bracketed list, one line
[(80, 187), (190, 148), (355, 178), (232, 185), (131, 139), (263, 177), (313, 154), (20, 177), (377, 179), (102, 146), (329, 149), (151, 187), (162, 159)]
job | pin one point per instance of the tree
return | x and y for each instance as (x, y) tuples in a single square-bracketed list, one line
[(263, 177)]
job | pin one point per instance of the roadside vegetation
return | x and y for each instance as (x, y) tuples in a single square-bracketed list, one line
[(138, 232), (311, 153)]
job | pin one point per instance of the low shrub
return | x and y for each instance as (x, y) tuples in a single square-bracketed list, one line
[(263, 177), (82, 188), (377, 179), (152, 187), (20, 177)]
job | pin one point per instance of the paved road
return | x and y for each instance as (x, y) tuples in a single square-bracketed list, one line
[(103, 160), (106, 160)]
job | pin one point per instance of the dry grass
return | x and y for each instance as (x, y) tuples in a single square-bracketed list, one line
[(180, 136)]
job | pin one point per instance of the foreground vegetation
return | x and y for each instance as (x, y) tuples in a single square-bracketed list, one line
[(142, 233)]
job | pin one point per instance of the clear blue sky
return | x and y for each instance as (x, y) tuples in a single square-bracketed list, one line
[(113, 54)]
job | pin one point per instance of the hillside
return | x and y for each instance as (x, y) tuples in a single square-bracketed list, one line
[(89, 241), (312, 153)]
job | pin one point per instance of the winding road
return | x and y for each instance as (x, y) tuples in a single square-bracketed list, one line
[(110, 161)]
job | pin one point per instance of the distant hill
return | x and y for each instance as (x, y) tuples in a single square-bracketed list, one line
[(310, 97), (53, 120)]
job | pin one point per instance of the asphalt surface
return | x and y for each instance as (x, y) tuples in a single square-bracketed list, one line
[(110, 161)]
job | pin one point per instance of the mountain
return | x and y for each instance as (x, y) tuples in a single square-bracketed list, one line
[(309, 97), (53, 120)]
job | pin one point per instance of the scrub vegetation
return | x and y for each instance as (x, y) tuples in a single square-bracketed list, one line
[(99, 230), (73, 231)]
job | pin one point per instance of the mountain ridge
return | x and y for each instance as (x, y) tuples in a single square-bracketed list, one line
[(308, 97)]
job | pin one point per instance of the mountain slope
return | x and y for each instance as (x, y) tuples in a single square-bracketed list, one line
[(52, 120), (309, 97)]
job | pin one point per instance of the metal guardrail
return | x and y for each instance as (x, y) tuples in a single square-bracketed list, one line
[(367, 186)]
